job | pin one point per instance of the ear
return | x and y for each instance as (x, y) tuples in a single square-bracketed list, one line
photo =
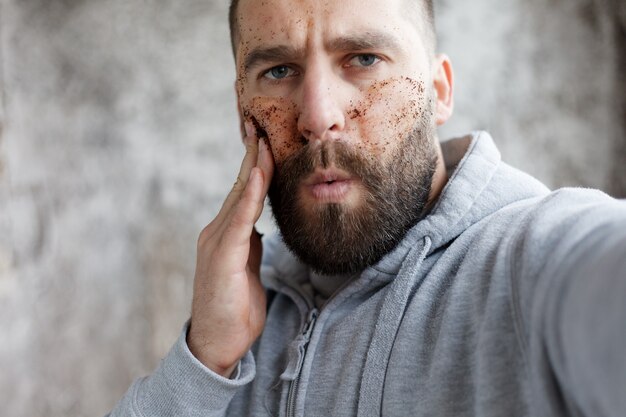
[(443, 81), (242, 129)]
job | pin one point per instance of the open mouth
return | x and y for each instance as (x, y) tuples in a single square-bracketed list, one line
[(328, 176), (329, 186)]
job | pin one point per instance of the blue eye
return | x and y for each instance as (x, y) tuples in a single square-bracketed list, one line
[(365, 60), (278, 73)]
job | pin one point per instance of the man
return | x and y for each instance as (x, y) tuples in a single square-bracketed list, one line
[(410, 278)]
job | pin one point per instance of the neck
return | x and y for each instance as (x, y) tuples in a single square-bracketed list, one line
[(440, 178)]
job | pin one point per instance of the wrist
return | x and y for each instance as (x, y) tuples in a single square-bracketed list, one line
[(201, 353)]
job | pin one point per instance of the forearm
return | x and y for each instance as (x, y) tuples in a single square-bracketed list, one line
[(588, 336)]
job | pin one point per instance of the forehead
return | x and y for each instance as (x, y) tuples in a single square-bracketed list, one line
[(303, 23)]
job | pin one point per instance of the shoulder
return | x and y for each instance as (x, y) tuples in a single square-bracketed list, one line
[(554, 224), (555, 236)]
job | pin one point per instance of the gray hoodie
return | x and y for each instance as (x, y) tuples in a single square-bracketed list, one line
[(505, 300)]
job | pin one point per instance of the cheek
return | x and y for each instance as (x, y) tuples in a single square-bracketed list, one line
[(389, 111), (275, 118)]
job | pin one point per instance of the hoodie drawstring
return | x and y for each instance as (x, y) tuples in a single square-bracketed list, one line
[(391, 314)]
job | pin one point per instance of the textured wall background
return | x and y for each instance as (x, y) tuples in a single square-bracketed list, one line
[(119, 140)]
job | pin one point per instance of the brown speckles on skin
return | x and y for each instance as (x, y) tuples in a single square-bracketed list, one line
[(354, 113), (375, 121), (387, 110), (276, 119), (260, 132)]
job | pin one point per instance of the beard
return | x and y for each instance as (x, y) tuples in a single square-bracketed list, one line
[(336, 239)]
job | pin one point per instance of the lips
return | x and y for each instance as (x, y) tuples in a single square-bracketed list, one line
[(327, 176), (329, 186)]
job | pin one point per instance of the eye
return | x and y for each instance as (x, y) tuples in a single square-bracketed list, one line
[(364, 60), (278, 72)]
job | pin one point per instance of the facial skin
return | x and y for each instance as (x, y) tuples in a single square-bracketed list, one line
[(348, 98)]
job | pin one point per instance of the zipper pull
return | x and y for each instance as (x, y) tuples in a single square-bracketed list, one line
[(310, 324), (297, 348)]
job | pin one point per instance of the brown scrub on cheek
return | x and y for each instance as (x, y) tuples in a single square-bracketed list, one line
[(276, 119), (388, 111)]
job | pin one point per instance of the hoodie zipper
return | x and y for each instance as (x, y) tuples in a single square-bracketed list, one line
[(293, 387)]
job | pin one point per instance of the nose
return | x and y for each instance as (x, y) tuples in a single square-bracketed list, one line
[(322, 115)]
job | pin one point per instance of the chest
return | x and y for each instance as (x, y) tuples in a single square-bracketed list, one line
[(453, 353)]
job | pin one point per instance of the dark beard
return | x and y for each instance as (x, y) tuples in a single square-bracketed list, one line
[(333, 239)]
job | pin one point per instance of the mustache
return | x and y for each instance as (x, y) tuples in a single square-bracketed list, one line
[(328, 154), (290, 173)]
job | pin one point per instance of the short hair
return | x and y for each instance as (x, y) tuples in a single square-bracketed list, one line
[(424, 9)]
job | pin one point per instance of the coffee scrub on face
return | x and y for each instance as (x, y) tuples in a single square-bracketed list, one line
[(276, 119), (382, 115), (387, 111)]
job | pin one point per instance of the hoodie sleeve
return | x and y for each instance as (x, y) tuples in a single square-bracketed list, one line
[(571, 267), (587, 326), (183, 386)]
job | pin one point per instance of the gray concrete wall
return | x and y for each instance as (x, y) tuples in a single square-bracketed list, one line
[(544, 77), (119, 140)]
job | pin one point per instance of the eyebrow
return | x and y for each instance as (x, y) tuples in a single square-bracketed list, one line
[(368, 40), (277, 53), (283, 53)]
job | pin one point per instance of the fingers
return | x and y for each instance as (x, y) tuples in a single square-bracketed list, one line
[(245, 213), (249, 161), (265, 161), (244, 204)]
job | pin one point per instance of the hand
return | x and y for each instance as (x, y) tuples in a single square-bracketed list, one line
[(228, 308)]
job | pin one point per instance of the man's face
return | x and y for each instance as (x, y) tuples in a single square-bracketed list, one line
[(343, 93)]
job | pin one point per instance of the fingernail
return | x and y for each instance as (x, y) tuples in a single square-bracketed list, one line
[(249, 128)]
